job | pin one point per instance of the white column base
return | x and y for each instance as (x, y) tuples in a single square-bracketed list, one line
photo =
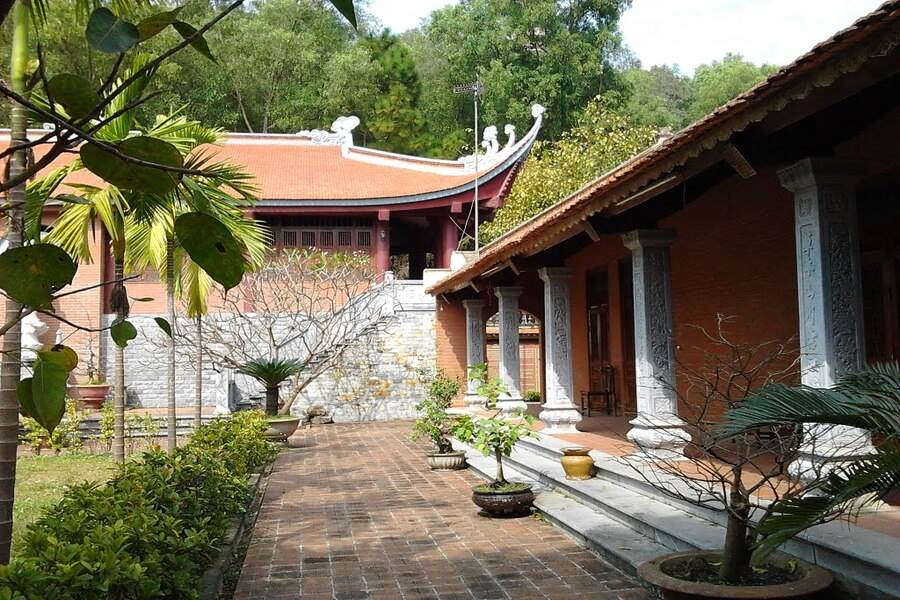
[(473, 400), (660, 437), (562, 419), (829, 446), (511, 405)]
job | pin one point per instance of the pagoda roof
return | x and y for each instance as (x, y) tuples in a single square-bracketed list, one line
[(322, 169)]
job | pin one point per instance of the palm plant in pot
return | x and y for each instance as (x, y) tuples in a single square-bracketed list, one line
[(742, 473), (496, 436), (271, 373), (436, 424)]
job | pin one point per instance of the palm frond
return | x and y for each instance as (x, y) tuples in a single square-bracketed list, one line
[(120, 127), (194, 287), (183, 133), (849, 487), (270, 372)]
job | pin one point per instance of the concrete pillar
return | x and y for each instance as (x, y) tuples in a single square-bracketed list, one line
[(832, 338), (510, 371), (657, 431), (474, 347), (560, 413)]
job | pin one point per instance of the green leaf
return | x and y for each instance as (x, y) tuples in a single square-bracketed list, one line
[(122, 332), (48, 389), (31, 275), (154, 24), (164, 325), (75, 94), (108, 33), (26, 400), (345, 7), (130, 176), (209, 244), (198, 43), (61, 355), (72, 199)]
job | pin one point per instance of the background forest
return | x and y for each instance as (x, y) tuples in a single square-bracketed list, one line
[(282, 66)]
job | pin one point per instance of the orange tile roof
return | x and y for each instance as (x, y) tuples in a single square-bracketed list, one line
[(790, 83)]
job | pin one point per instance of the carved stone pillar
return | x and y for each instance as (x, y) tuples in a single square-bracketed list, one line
[(559, 413), (832, 338), (510, 372), (657, 431), (474, 347)]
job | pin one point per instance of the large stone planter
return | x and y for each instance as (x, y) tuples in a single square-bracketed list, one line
[(812, 580), (281, 427), (451, 461), (92, 395), (503, 502)]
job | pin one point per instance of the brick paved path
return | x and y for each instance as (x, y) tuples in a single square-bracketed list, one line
[(356, 514)]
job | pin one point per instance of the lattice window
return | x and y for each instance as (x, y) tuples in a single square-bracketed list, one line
[(326, 239), (307, 239), (345, 239), (364, 239), (289, 238)]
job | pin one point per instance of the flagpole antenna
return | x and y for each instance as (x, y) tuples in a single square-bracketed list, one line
[(475, 88)]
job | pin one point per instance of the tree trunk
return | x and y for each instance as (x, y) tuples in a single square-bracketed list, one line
[(499, 456), (272, 401), (172, 422), (198, 375), (736, 554), (121, 308), (10, 365)]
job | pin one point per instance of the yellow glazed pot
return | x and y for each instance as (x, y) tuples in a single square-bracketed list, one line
[(577, 463)]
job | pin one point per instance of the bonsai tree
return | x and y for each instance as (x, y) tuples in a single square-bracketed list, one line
[(729, 472), (489, 389), (495, 436), (870, 400), (435, 423), (271, 372)]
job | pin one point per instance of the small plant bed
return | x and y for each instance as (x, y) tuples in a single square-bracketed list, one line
[(705, 569), (501, 488), (152, 530)]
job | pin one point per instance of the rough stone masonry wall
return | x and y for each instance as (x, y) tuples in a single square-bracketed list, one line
[(376, 379)]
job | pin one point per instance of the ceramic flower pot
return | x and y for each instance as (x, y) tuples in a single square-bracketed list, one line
[(511, 500), (281, 427), (92, 395), (577, 463), (810, 579), (451, 461)]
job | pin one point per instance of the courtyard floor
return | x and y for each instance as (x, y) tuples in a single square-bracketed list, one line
[(352, 513)]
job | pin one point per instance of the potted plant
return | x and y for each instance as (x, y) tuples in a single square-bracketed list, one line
[(729, 472), (435, 424), (94, 391), (496, 436), (271, 373), (489, 389)]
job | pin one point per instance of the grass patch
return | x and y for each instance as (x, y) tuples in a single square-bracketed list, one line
[(41, 481)]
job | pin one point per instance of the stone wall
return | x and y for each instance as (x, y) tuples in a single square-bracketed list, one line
[(377, 377)]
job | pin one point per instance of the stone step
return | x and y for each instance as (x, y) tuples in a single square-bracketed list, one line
[(864, 560)]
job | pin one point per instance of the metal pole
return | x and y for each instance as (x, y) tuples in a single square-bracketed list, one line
[(477, 246)]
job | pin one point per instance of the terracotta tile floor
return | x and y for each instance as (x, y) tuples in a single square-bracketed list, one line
[(354, 513)]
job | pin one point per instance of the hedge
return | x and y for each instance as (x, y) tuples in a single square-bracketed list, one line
[(152, 530)]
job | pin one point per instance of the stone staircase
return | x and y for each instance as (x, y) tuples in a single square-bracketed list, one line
[(627, 521)]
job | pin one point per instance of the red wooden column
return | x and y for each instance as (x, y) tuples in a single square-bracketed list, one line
[(449, 240), (382, 242)]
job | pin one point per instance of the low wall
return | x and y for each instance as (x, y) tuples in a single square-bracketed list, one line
[(377, 377)]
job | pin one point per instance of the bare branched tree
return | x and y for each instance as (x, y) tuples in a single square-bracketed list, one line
[(742, 474), (304, 305)]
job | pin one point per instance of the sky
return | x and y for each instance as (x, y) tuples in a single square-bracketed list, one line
[(692, 32)]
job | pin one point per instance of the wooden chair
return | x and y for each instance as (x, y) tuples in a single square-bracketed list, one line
[(604, 397)]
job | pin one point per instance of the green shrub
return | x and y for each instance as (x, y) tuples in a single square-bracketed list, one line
[(532, 396), (65, 436), (434, 422), (152, 530)]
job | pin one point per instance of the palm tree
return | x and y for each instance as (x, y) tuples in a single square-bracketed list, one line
[(271, 372), (151, 243), (870, 400)]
